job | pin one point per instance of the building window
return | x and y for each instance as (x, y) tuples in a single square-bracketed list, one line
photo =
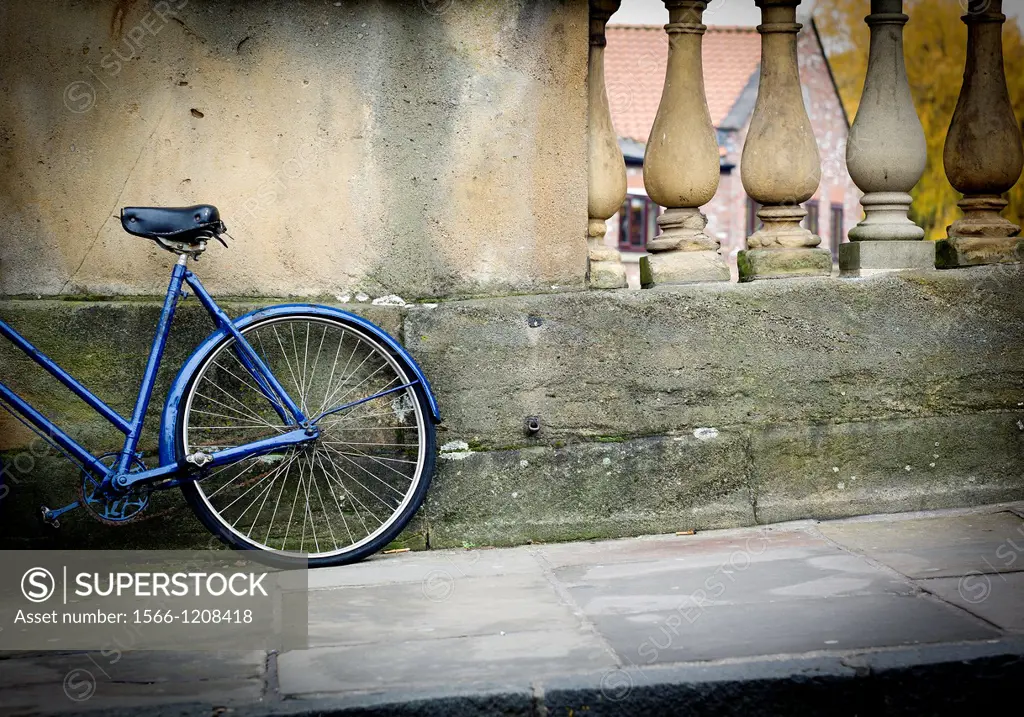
[(811, 222), (838, 230), (753, 222), (638, 223)]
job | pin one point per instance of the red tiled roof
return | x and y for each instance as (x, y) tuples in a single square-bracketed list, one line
[(635, 72)]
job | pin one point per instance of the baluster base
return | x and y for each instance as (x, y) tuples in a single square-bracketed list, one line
[(866, 258), (886, 219), (682, 253), (957, 252), (982, 219), (604, 263), (783, 263), (682, 267), (605, 269), (981, 236)]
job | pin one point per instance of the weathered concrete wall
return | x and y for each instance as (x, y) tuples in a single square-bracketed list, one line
[(690, 407), (418, 148), (715, 405)]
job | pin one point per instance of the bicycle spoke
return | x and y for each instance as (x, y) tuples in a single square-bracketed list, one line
[(323, 509), (263, 478), (334, 495), (259, 512), (385, 445), (246, 414), (353, 389), (350, 494), (270, 527), (284, 355), (265, 492), (328, 396), (237, 476), (255, 389), (334, 365), (341, 386), (319, 350), (288, 527), (305, 510), (301, 376), (364, 470), (372, 458), (342, 417)]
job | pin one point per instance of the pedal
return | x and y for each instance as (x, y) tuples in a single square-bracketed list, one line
[(199, 459), (48, 517)]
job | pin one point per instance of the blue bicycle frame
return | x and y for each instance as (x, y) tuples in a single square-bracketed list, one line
[(117, 478)]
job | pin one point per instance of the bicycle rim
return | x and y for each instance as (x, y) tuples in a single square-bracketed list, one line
[(336, 496)]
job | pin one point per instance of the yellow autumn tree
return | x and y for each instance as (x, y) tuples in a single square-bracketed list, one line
[(935, 49)]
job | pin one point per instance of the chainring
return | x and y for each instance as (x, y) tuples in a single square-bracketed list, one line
[(121, 509)]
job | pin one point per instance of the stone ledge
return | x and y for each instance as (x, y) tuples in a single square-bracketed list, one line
[(622, 364), (783, 381), (737, 476)]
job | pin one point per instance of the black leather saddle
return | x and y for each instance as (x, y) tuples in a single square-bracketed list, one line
[(187, 225)]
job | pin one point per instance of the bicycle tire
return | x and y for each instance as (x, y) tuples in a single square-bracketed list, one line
[(199, 494)]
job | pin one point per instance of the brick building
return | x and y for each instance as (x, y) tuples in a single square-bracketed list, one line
[(635, 61)]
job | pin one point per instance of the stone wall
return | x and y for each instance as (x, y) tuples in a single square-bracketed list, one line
[(418, 148), (694, 407)]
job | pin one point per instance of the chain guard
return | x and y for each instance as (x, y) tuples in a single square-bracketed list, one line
[(120, 510)]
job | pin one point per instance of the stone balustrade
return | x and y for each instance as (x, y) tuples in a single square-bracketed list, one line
[(781, 168)]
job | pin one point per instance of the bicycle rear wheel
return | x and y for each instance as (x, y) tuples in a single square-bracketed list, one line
[(336, 500)]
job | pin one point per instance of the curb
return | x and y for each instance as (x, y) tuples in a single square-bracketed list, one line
[(936, 679)]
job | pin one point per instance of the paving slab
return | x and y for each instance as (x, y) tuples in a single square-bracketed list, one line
[(640, 587), (520, 656), (441, 606), (785, 627), (937, 547), (997, 598)]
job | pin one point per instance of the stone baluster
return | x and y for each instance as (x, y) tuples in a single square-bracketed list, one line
[(983, 156), (886, 154), (681, 163), (607, 169), (780, 166)]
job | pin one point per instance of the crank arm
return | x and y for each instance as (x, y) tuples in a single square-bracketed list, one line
[(50, 516)]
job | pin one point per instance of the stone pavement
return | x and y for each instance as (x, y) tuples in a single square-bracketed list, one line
[(910, 612)]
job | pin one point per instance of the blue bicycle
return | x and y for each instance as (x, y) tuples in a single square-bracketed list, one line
[(301, 430)]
